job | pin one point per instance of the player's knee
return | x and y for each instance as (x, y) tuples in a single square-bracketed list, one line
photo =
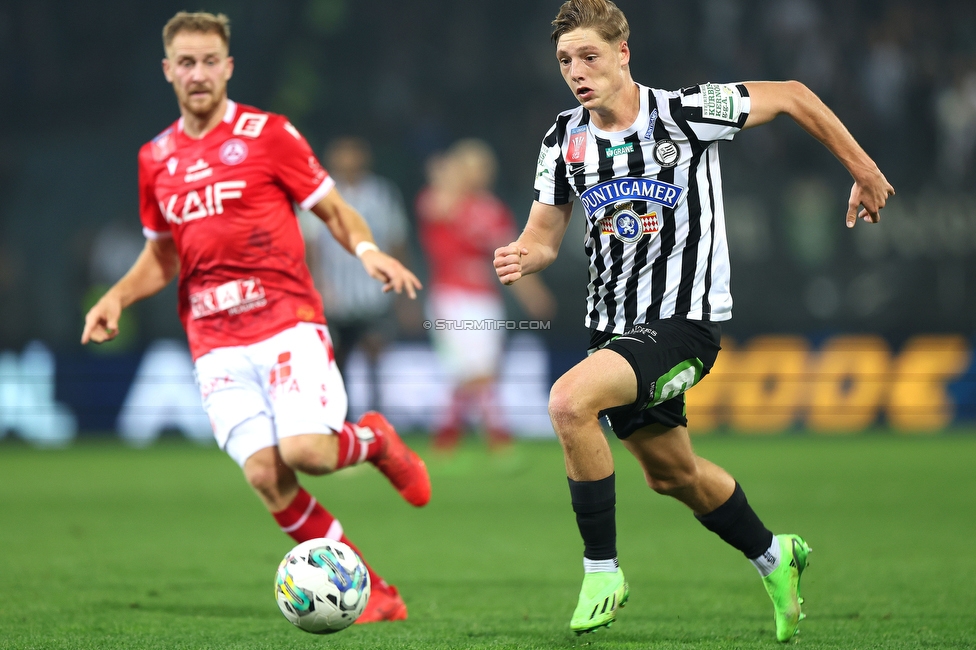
[(673, 481), (566, 408), (314, 454), (264, 478)]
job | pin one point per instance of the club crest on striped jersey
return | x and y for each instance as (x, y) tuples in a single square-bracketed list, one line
[(616, 190), (627, 226), (666, 153), (577, 145)]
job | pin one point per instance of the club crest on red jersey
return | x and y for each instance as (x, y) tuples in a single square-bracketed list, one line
[(233, 152), (577, 145)]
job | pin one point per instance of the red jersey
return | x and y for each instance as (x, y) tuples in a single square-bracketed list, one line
[(460, 246), (226, 200)]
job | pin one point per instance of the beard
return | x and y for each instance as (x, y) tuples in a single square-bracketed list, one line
[(202, 105)]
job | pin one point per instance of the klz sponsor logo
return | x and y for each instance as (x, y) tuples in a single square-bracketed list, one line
[(234, 297), (194, 206)]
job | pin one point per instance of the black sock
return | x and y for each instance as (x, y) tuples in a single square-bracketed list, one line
[(736, 523), (595, 505)]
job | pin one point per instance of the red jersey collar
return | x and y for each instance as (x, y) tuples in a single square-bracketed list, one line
[(228, 115)]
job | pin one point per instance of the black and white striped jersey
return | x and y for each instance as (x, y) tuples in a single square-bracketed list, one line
[(652, 196)]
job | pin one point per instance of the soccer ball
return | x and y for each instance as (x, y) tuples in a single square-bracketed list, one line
[(322, 586)]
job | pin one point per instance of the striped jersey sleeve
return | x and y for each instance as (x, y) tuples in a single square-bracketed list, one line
[(551, 182), (715, 111)]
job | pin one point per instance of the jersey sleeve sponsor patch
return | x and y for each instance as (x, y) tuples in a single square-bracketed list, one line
[(162, 145), (549, 188), (544, 165), (721, 102)]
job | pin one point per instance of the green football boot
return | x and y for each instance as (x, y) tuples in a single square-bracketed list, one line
[(601, 595), (783, 585)]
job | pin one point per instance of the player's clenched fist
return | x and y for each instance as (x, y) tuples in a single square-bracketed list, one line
[(508, 262)]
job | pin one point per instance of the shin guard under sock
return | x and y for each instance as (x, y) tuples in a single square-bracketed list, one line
[(738, 525), (595, 505)]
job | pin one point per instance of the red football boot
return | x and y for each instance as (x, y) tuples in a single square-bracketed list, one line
[(447, 438), (383, 605), (405, 469), (499, 439)]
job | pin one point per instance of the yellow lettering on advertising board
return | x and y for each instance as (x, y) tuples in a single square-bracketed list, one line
[(848, 382), (768, 384), (919, 401), (707, 403)]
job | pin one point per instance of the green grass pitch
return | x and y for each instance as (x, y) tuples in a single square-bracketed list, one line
[(107, 547)]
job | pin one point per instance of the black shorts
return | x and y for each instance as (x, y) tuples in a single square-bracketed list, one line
[(668, 356)]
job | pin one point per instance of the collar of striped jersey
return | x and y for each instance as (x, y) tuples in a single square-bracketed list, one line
[(639, 125)]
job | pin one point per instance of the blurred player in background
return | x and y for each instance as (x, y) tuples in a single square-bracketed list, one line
[(644, 163), (216, 191), (460, 223), (360, 313)]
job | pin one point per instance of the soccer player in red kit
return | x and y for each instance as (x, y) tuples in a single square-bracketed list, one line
[(216, 195), (460, 222)]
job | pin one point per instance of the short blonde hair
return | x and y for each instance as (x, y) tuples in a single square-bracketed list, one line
[(600, 15), (477, 162), (201, 22)]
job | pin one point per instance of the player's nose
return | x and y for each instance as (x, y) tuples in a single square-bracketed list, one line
[(576, 70), (198, 73)]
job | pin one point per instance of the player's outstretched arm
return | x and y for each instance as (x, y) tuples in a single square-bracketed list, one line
[(353, 233), (537, 246), (871, 189), (158, 263)]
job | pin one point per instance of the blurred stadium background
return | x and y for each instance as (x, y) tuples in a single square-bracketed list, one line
[(834, 331)]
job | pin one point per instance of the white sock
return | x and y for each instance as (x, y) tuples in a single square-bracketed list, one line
[(600, 566), (769, 560)]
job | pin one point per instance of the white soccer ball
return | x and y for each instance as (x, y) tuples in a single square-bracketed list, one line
[(322, 586)]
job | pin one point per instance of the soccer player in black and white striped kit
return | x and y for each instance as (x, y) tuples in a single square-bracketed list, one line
[(644, 164)]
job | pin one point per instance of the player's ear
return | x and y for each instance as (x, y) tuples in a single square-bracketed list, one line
[(230, 67), (167, 70), (624, 53)]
